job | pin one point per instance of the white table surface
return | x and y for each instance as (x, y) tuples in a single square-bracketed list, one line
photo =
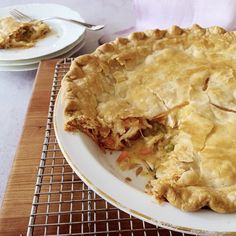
[(16, 87)]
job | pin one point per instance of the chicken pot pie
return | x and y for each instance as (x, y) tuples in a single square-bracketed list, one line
[(15, 34), (167, 98)]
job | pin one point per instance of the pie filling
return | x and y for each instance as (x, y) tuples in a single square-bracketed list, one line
[(21, 34), (167, 99)]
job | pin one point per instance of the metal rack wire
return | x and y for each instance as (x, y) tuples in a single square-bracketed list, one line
[(64, 205)]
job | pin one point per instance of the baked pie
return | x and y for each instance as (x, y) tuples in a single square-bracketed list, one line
[(167, 99), (14, 34)]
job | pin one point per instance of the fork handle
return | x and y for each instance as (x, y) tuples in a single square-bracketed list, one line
[(87, 25)]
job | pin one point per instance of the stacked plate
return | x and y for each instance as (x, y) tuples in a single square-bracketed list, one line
[(65, 38)]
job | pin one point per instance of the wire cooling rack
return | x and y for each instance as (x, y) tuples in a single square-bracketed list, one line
[(64, 205)]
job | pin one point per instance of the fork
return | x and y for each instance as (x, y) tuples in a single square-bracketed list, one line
[(23, 17)]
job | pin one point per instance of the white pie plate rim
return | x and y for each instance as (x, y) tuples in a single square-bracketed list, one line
[(34, 66), (49, 56), (93, 166), (63, 33)]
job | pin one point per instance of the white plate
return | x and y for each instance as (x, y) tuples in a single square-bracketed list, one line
[(49, 56), (99, 171), (62, 33), (34, 66)]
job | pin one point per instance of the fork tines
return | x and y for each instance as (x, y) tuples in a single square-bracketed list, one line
[(20, 15)]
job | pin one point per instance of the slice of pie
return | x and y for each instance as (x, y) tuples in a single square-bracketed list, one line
[(168, 100), (14, 34)]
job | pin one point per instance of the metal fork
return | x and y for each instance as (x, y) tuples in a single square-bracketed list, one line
[(23, 17)]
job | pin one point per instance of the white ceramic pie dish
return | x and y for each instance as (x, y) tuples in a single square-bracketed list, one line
[(100, 172)]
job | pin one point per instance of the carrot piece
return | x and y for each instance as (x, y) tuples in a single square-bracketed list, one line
[(146, 151), (123, 156), (108, 142)]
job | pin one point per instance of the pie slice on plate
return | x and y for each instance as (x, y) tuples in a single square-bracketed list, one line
[(167, 99), (14, 34)]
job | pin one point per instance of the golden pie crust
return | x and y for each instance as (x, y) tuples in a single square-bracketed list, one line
[(15, 34), (168, 98)]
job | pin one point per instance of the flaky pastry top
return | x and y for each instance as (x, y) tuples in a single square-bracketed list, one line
[(184, 75)]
